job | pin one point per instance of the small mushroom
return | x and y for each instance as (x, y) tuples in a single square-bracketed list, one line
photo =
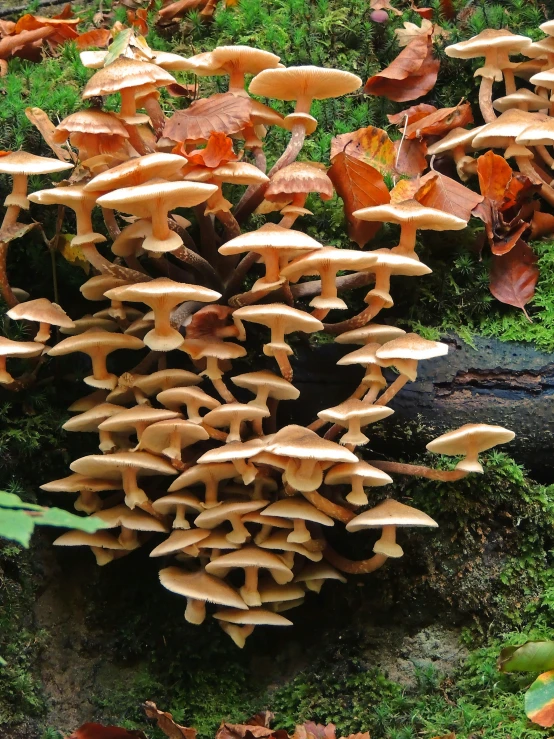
[(278, 541), (93, 133), (239, 625), (266, 385), (314, 574), (94, 289), (103, 545), (136, 420), (231, 512), (9, 348), (358, 475), (373, 333), (238, 453), (405, 352), (170, 437), (193, 398), (81, 203), (456, 144), (232, 416), (298, 511), (136, 171), (130, 522), (179, 504), (235, 61), (180, 541), (353, 414), (21, 165), (90, 420), (469, 440), (209, 475), (45, 313), (88, 488)]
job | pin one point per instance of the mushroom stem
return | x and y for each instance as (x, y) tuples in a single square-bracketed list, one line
[(299, 533), (285, 368), (134, 496), (392, 390), (240, 533), (374, 307), (419, 470), (128, 538), (230, 224), (238, 275), (5, 377), (103, 265), (509, 81), (260, 160), (357, 496), (210, 496), (525, 167), (10, 218), (334, 510), (319, 422), (354, 434), (136, 140), (196, 262), (249, 590), (43, 333), (208, 245), (362, 567), (173, 449), (88, 502), (545, 155), (485, 100), (100, 372), (234, 430), (222, 389), (247, 471), (407, 242), (111, 224), (470, 463), (195, 612), (180, 521), (107, 444), (387, 543), (160, 226)]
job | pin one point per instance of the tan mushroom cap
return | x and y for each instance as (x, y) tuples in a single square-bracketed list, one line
[(233, 450), (299, 511), (95, 287), (457, 137), (169, 437), (192, 397), (135, 520), (86, 323), (281, 319), (412, 212), (165, 380), (23, 163), (314, 574), (90, 121), (365, 356), (230, 512), (231, 415), (74, 197), (174, 501), (299, 178), (9, 348), (539, 133), (88, 488), (353, 414), (270, 592), (177, 541), (547, 27), (358, 475), (216, 540), (124, 73), (266, 385), (233, 60), (372, 333), (253, 616), (209, 475), (199, 588), (503, 131), (406, 351), (495, 46), (137, 171), (304, 84), (543, 79), (525, 97), (88, 401), (46, 313), (469, 440), (390, 513), (136, 419), (98, 542), (278, 541), (239, 173), (91, 419)]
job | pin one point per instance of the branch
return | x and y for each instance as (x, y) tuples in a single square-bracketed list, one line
[(419, 470)]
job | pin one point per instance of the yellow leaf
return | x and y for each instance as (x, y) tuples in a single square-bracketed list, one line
[(73, 254)]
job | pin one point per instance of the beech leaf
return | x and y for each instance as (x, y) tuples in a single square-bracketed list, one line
[(40, 120), (167, 724), (413, 113), (412, 74), (98, 731), (96, 37), (448, 195), (218, 150), (513, 276), (371, 145), (224, 112), (440, 122), (494, 175), (360, 186), (410, 157)]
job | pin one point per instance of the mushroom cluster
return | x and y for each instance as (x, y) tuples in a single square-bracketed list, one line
[(192, 460)]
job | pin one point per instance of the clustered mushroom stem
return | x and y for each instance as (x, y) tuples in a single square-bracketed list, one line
[(525, 167), (99, 369), (358, 393), (334, 510), (104, 266), (5, 377), (128, 538), (137, 142), (250, 588), (223, 390), (106, 441), (299, 533), (285, 368), (173, 450), (230, 224), (485, 100), (160, 227), (418, 470), (240, 533), (195, 612), (362, 567), (134, 496), (259, 158), (180, 521), (110, 222), (509, 81), (407, 242), (392, 390), (88, 502), (213, 433), (10, 218), (358, 321), (372, 393), (238, 275), (208, 245), (545, 155)]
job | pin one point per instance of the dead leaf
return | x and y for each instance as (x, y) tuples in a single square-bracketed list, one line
[(138, 20), (494, 175), (6, 28), (179, 9), (175, 89), (166, 723), (410, 157), (384, 5), (72, 254), (412, 74), (16, 43), (514, 275), (319, 731), (242, 731), (448, 195), (404, 190), (98, 37), (371, 145), (360, 186), (263, 718), (224, 112), (413, 113), (40, 120), (98, 731), (440, 122), (218, 150), (542, 224), (411, 31), (15, 231), (365, 735)]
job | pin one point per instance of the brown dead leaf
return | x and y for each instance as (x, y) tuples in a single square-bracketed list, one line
[(412, 114), (166, 723), (494, 175), (98, 731), (514, 275), (17, 43), (40, 120), (179, 9), (542, 224), (448, 195), (384, 5), (427, 29), (410, 157), (412, 74), (98, 37), (262, 718), (319, 731), (224, 112), (218, 150), (371, 145), (6, 28), (360, 186), (440, 122), (15, 231), (175, 89)]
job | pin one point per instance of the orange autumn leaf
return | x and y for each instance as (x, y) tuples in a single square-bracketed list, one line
[(96, 37), (440, 122), (179, 8), (16, 43), (542, 224), (494, 175), (412, 74), (410, 157), (513, 276), (167, 724), (219, 150), (371, 145), (98, 731), (224, 112), (448, 195), (359, 185), (412, 114), (138, 20)]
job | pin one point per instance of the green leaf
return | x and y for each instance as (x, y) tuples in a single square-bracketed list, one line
[(16, 526), (10, 500), (539, 700), (59, 517), (533, 656), (119, 45)]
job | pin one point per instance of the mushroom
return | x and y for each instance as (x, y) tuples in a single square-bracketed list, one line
[(213, 352), (304, 452), (136, 171), (103, 545), (266, 385), (81, 202), (91, 419), (298, 511), (9, 348), (93, 132), (88, 488), (314, 574), (199, 588), (267, 523), (235, 61), (373, 333), (94, 289), (154, 200), (162, 295), (45, 313), (191, 397), (231, 512), (278, 541), (522, 99), (232, 415), (238, 453), (367, 357), (148, 385), (136, 420), (293, 183), (232, 173), (358, 475), (496, 46), (251, 559), (97, 344), (469, 440), (21, 165), (124, 466), (170, 437), (456, 144), (86, 323), (353, 414), (239, 625), (411, 216), (272, 593), (184, 542), (281, 320), (130, 521), (88, 401), (388, 515), (179, 504), (209, 475)]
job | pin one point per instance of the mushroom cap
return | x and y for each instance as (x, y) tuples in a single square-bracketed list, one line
[(142, 200), (217, 539), (21, 162), (125, 72), (156, 437), (170, 503), (9, 348), (502, 132), (299, 178), (92, 418), (522, 96), (88, 401), (111, 466), (390, 513), (160, 288), (271, 314), (178, 540), (129, 418), (541, 132), (252, 617), (354, 408), (251, 556), (292, 83), (410, 211), (319, 571), (486, 41), (239, 173), (276, 386), (365, 356), (298, 442), (86, 323), (455, 137), (232, 450), (136, 172), (224, 414), (200, 586), (480, 436), (270, 236), (136, 519), (343, 473), (71, 195), (278, 541), (212, 517), (544, 78), (79, 484), (91, 340), (270, 592), (548, 27), (95, 287), (91, 121), (203, 473), (102, 539), (329, 257), (165, 380), (246, 58), (200, 348), (399, 264), (411, 346), (176, 397), (372, 333), (297, 508), (41, 310)]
